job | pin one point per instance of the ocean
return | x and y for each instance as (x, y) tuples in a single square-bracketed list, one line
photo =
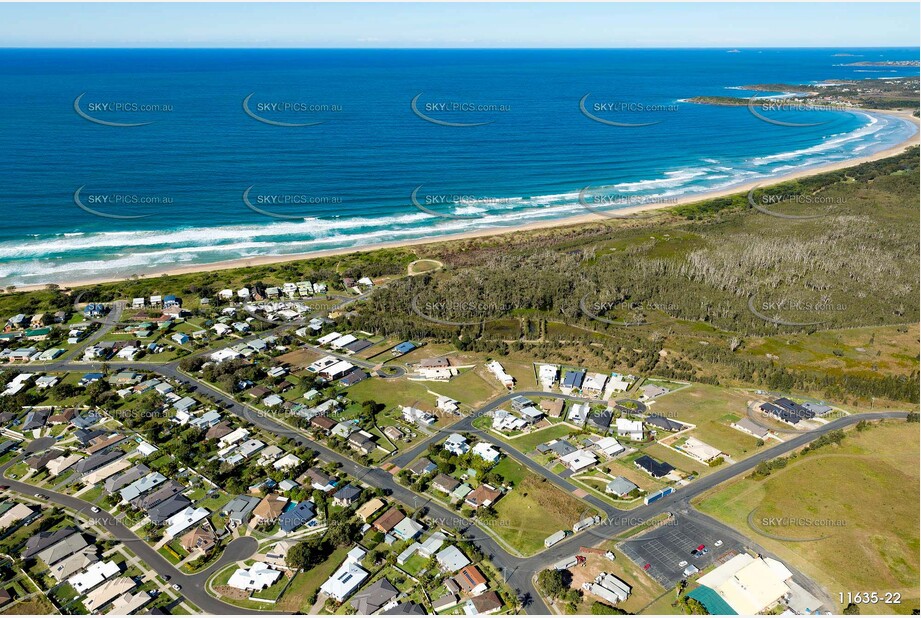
[(126, 162)]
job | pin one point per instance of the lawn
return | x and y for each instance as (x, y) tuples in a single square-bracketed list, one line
[(306, 583), (534, 510), (875, 545), (529, 441)]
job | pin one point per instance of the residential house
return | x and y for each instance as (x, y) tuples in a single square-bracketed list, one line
[(374, 597), (367, 510), (484, 495), (347, 496), (255, 578), (269, 508), (423, 466), (292, 519), (347, 578), (451, 559), (388, 520), (620, 487), (471, 580), (657, 469), (456, 444), (627, 428)]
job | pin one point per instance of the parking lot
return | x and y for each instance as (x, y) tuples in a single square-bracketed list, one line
[(667, 546)]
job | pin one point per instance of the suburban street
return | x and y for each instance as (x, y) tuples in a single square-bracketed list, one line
[(518, 571)]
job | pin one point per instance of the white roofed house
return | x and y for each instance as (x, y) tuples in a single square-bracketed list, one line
[(499, 371), (328, 338), (630, 429), (618, 384), (257, 577), (699, 450), (593, 385), (578, 413), (456, 444), (579, 460), (487, 451), (347, 578), (548, 375)]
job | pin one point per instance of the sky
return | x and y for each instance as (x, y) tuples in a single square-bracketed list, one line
[(450, 25)]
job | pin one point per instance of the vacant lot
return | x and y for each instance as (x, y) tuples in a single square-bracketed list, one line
[(645, 589), (534, 510), (861, 497), (712, 409)]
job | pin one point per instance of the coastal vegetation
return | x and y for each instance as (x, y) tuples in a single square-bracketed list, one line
[(715, 291)]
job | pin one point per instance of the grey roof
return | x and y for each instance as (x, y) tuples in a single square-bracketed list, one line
[(239, 508), (114, 483), (423, 466), (169, 489), (620, 486), (405, 609), (562, 448), (601, 419), (63, 548), (44, 540), (292, 519), (663, 423), (349, 492), (168, 508), (374, 597), (752, 427), (98, 460)]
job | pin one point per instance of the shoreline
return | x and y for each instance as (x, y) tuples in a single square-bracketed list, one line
[(912, 141)]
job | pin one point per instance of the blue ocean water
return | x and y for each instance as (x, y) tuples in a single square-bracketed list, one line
[(86, 199)]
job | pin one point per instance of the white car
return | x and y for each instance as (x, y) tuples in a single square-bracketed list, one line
[(718, 544), (683, 563), (95, 509)]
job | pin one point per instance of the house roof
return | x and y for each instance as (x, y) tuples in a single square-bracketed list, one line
[(620, 486), (292, 519), (44, 540), (169, 507), (388, 520), (270, 507), (445, 482), (484, 495), (452, 559), (469, 578), (664, 423), (405, 609), (349, 492), (423, 466), (655, 468), (486, 602), (375, 596), (369, 508)]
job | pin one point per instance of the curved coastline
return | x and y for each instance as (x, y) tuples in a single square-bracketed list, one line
[(509, 222)]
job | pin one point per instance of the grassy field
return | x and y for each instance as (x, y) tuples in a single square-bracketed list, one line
[(534, 510), (870, 483), (711, 409), (391, 392)]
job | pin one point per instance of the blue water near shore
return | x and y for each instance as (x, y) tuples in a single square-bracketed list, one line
[(170, 193)]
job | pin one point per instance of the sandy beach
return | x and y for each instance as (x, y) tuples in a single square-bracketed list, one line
[(563, 222)]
